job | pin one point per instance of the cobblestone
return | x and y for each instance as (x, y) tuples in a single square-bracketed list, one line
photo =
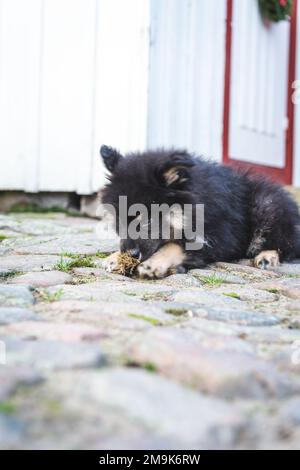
[(89, 359)]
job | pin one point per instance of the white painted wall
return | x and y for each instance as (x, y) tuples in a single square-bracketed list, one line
[(121, 77), (186, 83), (20, 53), (296, 175), (73, 75)]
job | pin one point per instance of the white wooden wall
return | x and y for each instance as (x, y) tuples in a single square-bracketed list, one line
[(296, 175), (186, 82), (73, 75)]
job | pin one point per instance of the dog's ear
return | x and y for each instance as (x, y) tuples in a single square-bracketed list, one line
[(176, 170), (110, 157)]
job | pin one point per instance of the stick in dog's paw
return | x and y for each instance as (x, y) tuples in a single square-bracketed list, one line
[(120, 263)]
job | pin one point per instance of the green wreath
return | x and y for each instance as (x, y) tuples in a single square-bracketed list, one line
[(275, 10)]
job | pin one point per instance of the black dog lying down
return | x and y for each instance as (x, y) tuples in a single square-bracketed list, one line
[(245, 215)]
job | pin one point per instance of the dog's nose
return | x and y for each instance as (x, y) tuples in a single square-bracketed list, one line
[(134, 252)]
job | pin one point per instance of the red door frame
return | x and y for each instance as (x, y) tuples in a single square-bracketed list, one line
[(282, 175)]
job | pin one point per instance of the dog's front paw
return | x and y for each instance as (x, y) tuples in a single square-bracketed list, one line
[(150, 269), (267, 259), (111, 263)]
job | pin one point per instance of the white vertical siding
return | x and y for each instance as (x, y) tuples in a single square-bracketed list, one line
[(296, 175), (20, 51), (186, 83), (73, 75), (94, 90), (121, 88), (67, 95)]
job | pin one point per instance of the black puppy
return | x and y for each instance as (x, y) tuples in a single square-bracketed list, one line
[(245, 215)]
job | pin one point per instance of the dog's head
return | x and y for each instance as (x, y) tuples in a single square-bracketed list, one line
[(146, 180)]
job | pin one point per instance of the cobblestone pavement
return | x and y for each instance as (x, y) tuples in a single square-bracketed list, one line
[(208, 359)]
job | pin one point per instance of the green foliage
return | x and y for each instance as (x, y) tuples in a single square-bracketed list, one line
[(82, 280), (150, 367), (78, 261), (33, 208), (68, 254), (131, 294), (101, 255), (9, 275), (275, 10), (155, 296), (151, 320), (7, 407), (212, 280), (273, 291), (176, 311), (45, 296), (232, 294)]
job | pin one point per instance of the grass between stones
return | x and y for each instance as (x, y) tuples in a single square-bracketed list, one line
[(234, 295), (148, 366), (176, 311), (67, 254), (54, 407), (131, 294), (78, 261), (79, 280), (9, 275), (101, 254), (45, 296), (212, 280), (151, 320), (3, 237), (24, 208), (7, 407), (155, 296)]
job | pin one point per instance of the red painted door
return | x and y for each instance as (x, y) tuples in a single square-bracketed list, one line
[(258, 111)]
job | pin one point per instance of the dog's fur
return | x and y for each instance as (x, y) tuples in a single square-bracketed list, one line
[(244, 214)]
